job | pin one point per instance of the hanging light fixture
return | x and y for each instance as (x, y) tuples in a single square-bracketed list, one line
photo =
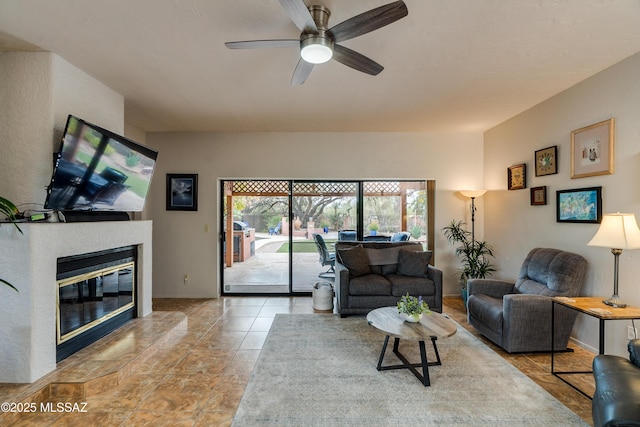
[(315, 48)]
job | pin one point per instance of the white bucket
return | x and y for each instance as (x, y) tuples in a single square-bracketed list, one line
[(323, 296)]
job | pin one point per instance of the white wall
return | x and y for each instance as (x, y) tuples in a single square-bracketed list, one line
[(514, 227), (182, 247), (38, 90)]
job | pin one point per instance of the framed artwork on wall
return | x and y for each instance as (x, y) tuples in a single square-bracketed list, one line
[(579, 205), (592, 150), (516, 177), (539, 195), (182, 192), (546, 161)]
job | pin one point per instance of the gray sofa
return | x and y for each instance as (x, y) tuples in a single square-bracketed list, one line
[(370, 275), (517, 316), (616, 401)]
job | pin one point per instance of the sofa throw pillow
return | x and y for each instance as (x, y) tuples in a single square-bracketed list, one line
[(356, 260), (634, 352), (413, 263)]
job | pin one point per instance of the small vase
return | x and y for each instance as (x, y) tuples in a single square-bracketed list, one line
[(411, 318)]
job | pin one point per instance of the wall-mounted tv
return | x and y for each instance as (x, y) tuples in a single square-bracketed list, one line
[(98, 170)]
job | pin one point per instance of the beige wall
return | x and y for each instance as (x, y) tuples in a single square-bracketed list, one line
[(182, 247), (514, 227)]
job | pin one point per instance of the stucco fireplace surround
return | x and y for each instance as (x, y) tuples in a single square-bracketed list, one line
[(29, 262)]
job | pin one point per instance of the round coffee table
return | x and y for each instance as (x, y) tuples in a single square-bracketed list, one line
[(431, 327)]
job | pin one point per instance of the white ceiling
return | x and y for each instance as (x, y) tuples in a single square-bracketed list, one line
[(451, 65)]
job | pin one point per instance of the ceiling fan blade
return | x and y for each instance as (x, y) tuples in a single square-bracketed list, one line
[(299, 14), (262, 44), (302, 71), (369, 21), (356, 60)]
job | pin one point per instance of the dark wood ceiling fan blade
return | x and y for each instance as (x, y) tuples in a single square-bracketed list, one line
[(299, 14), (302, 71), (369, 21), (356, 60), (263, 44)]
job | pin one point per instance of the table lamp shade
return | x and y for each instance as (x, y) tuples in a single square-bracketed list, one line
[(619, 231)]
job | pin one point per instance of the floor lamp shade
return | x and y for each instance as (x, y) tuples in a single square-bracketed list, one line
[(472, 193), (617, 231)]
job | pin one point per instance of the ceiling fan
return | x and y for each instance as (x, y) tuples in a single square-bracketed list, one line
[(318, 43)]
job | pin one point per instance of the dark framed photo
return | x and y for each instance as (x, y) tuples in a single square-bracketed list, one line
[(182, 192), (539, 195), (546, 161), (579, 205), (516, 177)]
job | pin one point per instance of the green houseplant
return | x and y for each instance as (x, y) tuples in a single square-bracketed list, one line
[(10, 211), (411, 308), (475, 255)]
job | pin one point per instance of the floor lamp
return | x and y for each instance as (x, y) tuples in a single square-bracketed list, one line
[(617, 231), (472, 194)]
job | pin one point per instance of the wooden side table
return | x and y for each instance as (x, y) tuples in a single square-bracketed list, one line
[(591, 306)]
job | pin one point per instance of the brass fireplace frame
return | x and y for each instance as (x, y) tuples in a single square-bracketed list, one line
[(60, 338)]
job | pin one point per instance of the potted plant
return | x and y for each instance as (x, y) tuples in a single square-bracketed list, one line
[(475, 254), (411, 309), (10, 211), (373, 227)]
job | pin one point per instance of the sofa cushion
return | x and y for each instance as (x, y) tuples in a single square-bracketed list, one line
[(413, 263), (355, 259), (414, 286), (369, 284)]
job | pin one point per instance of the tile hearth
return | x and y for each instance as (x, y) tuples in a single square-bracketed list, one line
[(188, 363)]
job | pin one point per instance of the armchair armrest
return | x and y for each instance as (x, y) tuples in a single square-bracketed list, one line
[(634, 352), (436, 275), (528, 320), (491, 287), (341, 285)]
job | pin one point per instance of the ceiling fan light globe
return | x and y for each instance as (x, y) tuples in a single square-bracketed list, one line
[(316, 49)]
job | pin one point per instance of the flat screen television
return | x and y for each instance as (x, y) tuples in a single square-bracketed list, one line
[(98, 170)]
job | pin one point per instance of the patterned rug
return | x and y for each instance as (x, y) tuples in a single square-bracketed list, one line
[(320, 370)]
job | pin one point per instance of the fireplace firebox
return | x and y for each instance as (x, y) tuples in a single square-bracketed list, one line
[(96, 295)]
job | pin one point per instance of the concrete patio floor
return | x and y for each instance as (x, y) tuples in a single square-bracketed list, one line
[(268, 271)]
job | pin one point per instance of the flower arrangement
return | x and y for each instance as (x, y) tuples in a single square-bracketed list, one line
[(412, 308)]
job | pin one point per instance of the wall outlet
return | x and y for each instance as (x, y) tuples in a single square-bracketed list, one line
[(632, 332), (186, 278)]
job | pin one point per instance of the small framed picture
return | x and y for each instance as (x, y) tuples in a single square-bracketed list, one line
[(182, 192), (539, 195), (592, 150), (546, 161), (516, 177), (579, 205)]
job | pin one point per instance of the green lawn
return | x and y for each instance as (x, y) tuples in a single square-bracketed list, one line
[(302, 247)]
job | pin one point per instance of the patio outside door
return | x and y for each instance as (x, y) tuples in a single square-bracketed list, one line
[(271, 227), (256, 260), (319, 211)]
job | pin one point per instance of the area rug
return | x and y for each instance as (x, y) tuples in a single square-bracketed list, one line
[(320, 370)]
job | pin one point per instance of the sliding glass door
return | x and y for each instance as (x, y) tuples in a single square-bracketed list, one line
[(320, 210), (279, 235)]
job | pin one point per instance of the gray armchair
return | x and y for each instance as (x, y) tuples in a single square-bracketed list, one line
[(517, 316)]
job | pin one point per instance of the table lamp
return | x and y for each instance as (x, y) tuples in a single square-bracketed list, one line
[(472, 194), (617, 231)]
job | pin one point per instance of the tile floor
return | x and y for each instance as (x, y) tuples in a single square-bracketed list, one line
[(196, 373)]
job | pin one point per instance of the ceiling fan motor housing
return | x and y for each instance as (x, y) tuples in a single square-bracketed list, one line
[(317, 48)]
